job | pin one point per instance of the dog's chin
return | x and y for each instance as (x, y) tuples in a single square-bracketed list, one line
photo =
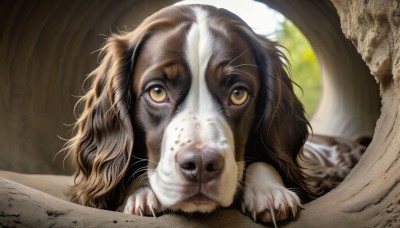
[(198, 203)]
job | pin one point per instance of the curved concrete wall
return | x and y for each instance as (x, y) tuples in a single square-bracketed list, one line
[(46, 51)]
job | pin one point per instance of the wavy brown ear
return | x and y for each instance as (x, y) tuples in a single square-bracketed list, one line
[(282, 127), (102, 147)]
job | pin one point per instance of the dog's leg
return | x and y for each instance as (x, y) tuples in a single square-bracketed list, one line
[(140, 199), (265, 196)]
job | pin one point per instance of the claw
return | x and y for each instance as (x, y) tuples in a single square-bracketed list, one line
[(293, 210), (140, 212), (272, 214), (243, 207), (152, 211), (255, 216)]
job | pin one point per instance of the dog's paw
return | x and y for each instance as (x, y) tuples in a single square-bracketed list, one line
[(270, 204), (265, 197), (142, 202)]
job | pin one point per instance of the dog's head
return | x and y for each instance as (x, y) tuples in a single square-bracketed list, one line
[(198, 95)]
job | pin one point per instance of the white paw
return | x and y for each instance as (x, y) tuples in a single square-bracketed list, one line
[(271, 204), (265, 197), (142, 202)]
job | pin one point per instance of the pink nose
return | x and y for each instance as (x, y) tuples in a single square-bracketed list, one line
[(198, 166)]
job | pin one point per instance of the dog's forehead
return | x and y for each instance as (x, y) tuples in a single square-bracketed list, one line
[(192, 47)]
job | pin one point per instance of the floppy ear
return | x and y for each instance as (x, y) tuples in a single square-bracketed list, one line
[(282, 127), (102, 147)]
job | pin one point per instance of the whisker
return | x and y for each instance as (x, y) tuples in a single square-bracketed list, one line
[(236, 58), (247, 64), (139, 160), (143, 169)]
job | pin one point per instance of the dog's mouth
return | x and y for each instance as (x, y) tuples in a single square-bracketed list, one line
[(197, 202), (199, 199)]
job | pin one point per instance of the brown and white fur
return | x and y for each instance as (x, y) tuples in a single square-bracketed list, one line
[(326, 160), (187, 112)]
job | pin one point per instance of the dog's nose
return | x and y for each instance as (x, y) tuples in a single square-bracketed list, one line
[(198, 166)]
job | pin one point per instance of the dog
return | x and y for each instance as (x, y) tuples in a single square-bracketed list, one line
[(189, 112)]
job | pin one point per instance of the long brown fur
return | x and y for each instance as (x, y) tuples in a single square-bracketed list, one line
[(102, 147)]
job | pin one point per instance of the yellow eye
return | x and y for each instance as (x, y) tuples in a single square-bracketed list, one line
[(239, 96), (158, 94)]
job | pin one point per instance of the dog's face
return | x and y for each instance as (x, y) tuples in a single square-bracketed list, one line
[(196, 90)]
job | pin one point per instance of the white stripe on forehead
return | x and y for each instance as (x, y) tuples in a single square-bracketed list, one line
[(198, 51)]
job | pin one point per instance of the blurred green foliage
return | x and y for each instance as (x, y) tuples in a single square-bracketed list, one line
[(304, 65)]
